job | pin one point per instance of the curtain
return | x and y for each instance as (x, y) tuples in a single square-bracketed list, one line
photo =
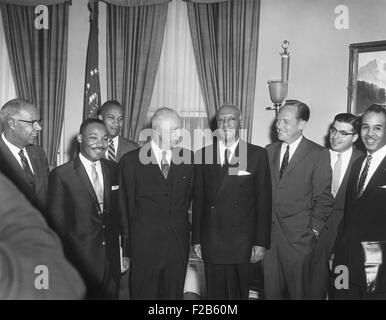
[(177, 85), (39, 64), (225, 41), (7, 88), (134, 42)]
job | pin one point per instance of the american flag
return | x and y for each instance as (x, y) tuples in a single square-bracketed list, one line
[(92, 97)]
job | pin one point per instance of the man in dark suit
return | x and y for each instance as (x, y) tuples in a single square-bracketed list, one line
[(32, 263), (344, 131), (364, 214), (302, 201), (112, 115), (24, 163), (156, 192), (231, 208), (82, 209)]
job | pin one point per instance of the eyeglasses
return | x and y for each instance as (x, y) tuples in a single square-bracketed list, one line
[(342, 134), (35, 123)]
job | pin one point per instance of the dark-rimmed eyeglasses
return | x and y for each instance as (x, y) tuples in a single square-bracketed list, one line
[(34, 123), (340, 133)]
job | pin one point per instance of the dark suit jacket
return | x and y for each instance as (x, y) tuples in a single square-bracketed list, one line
[(231, 212), (364, 220), (328, 236), (90, 239), (302, 198), (10, 167), (124, 146), (26, 242), (156, 209)]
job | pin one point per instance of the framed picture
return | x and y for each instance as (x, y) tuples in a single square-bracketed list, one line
[(367, 76)]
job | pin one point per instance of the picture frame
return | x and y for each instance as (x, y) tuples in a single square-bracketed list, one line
[(367, 76)]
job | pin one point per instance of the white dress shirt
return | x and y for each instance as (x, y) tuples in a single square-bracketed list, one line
[(222, 147), (15, 152), (292, 148), (376, 160), (345, 157), (87, 165), (158, 154), (116, 143)]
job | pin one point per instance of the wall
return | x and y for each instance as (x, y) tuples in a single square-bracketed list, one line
[(320, 56)]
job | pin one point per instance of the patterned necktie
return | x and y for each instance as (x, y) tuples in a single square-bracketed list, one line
[(164, 165), (111, 150), (284, 163), (27, 169), (362, 178), (336, 175), (97, 185)]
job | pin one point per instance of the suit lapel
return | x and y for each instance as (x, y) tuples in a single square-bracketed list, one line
[(118, 154), (300, 153), (82, 175), (379, 173), (34, 162), (106, 187), (276, 162)]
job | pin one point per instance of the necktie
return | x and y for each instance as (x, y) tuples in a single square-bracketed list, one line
[(227, 154), (97, 185), (336, 175), (362, 178), (164, 165), (284, 163), (27, 169), (111, 150)]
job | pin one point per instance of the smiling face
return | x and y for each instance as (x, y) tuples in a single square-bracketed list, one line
[(228, 123), (339, 142), (373, 131), (167, 131), (93, 141), (113, 119), (288, 126), (23, 134)]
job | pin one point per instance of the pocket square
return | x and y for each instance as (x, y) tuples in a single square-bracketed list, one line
[(382, 187), (243, 173), (113, 188)]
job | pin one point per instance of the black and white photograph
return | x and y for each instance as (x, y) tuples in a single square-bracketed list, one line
[(214, 153)]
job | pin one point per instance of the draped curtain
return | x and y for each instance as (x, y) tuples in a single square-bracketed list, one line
[(7, 88), (135, 31), (39, 63), (225, 41)]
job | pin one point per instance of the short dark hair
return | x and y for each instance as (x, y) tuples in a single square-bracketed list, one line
[(377, 108), (87, 122), (107, 104), (303, 110), (350, 119)]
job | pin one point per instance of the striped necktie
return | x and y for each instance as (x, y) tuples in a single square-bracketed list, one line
[(362, 178), (111, 150), (164, 165), (27, 169)]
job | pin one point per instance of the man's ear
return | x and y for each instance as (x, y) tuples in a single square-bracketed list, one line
[(303, 124), (11, 123), (79, 137), (355, 137), (100, 117)]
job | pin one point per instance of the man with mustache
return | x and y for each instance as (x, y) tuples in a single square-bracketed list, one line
[(23, 162), (112, 115), (344, 132), (364, 218), (302, 201), (83, 210)]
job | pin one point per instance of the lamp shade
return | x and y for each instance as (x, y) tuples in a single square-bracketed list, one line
[(278, 91)]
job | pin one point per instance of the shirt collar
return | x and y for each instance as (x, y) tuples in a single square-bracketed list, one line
[(232, 148), (14, 149), (87, 163), (345, 154), (294, 144), (379, 154), (115, 140)]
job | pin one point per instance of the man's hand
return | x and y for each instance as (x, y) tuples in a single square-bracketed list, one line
[(125, 264), (257, 254), (197, 250)]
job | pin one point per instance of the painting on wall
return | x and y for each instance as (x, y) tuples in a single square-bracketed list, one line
[(367, 76)]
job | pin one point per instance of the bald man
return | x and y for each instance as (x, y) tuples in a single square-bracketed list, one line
[(112, 115), (23, 162), (156, 188), (231, 208)]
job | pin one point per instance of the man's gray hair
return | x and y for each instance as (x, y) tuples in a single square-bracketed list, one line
[(13, 108), (162, 112)]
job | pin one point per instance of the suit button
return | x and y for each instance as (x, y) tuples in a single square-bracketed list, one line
[(103, 243), (104, 227), (212, 207)]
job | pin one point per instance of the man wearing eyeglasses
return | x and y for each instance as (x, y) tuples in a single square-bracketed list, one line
[(112, 115), (23, 162), (343, 133)]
